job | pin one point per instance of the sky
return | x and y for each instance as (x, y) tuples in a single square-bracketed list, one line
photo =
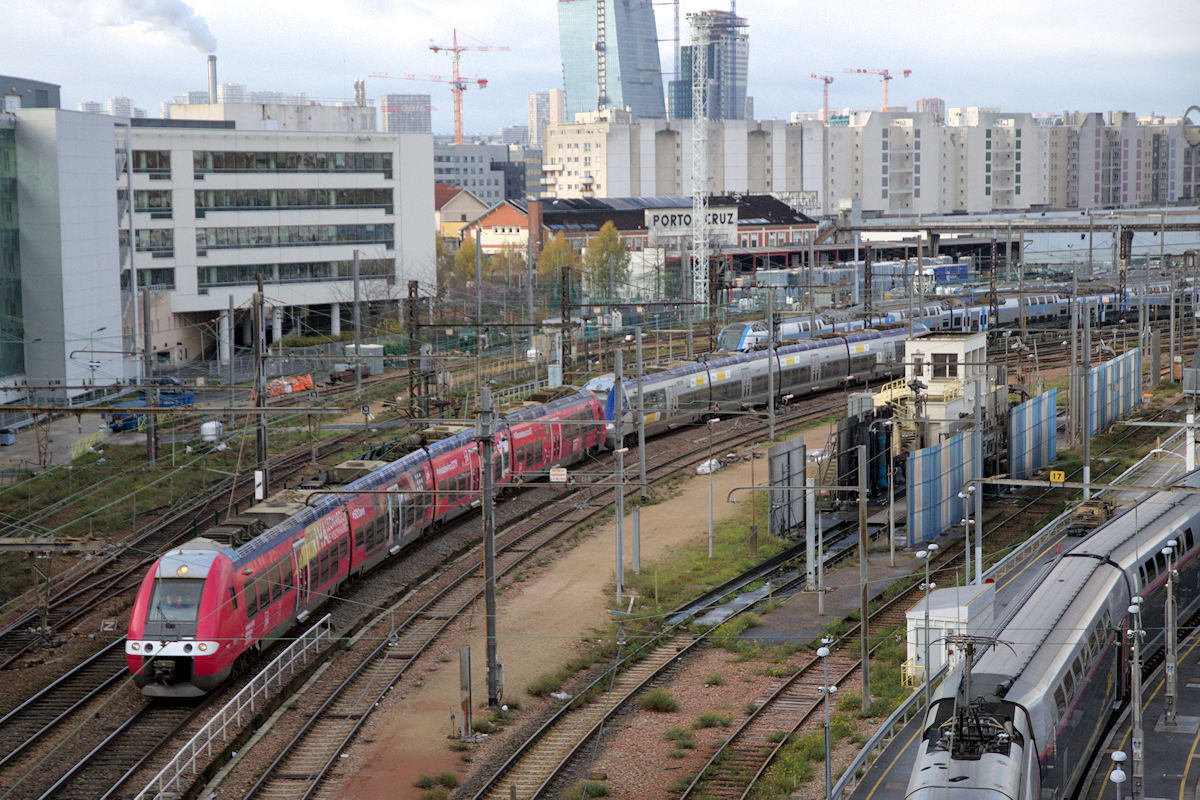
[(1019, 55)]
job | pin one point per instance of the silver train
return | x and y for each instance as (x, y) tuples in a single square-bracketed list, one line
[(961, 313), (1039, 701), (685, 394)]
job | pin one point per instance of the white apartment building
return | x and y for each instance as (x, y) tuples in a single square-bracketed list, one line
[(896, 162), (215, 207)]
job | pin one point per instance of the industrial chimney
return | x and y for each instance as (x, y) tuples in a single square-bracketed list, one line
[(212, 79)]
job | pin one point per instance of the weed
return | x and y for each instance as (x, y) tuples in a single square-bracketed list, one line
[(544, 685), (714, 679), (775, 737), (484, 726), (749, 709), (682, 738), (658, 700), (850, 701), (444, 780), (713, 719), (588, 789), (436, 793)]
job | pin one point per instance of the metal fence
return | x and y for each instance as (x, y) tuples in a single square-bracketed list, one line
[(935, 477), (1114, 389), (227, 723), (1033, 434)]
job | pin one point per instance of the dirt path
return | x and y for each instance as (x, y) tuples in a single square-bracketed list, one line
[(540, 624)]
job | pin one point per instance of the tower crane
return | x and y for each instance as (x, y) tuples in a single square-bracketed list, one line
[(457, 85), (884, 74), (826, 80)]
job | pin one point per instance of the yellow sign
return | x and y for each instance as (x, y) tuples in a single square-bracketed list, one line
[(1057, 476)]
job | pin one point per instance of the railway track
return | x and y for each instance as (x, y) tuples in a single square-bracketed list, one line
[(305, 762)]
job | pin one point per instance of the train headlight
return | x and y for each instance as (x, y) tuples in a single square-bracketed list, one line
[(149, 647), (202, 647), (187, 648), (183, 568), (135, 646)]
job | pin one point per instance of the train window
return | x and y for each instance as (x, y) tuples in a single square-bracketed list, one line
[(1069, 684), (275, 578), (322, 567), (656, 400), (287, 574), (344, 549), (1160, 564), (1079, 670), (1060, 702), (251, 598), (233, 598), (262, 586), (1188, 541)]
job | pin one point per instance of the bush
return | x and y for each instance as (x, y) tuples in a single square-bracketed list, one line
[(586, 789), (658, 700), (775, 737), (714, 679), (850, 702), (544, 685), (713, 719), (445, 779), (436, 793), (750, 709)]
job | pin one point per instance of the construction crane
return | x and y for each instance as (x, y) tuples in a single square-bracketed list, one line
[(460, 83), (826, 80), (884, 74), (457, 85)]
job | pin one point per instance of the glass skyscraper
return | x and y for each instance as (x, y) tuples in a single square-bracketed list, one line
[(12, 333), (610, 57)]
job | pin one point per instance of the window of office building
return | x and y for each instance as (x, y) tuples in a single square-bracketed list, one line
[(250, 199), (292, 236), (274, 161), (298, 272)]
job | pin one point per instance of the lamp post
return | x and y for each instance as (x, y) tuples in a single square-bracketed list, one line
[(712, 421), (926, 555), (1117, 776), (966, 523), (826, 690), (1135, 675), (93, 364), (1172, 634)]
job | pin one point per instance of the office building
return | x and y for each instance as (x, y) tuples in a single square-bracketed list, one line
[(933, 105), (254, 115), (726, 58), (123, 107), (610, 57), (12, 328), (406, 113), (492, 172), (92, 107), (515, 135), (25, 93)]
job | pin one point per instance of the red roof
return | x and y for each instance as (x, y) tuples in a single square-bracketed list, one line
[(443, 193)]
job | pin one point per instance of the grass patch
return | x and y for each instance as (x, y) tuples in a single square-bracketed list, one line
[(714, 719), (445, 779), (682, 737), (727, 633), (436, 793), (714, 679), (544, 685), (586, 789), (659, 700)]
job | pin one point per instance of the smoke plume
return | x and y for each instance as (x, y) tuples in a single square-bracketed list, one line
[(172, 17)]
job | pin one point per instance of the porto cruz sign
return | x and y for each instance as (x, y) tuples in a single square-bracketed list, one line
[(672, 224)]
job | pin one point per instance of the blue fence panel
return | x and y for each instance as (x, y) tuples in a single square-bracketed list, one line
[(1114, 389), (1033, 434), (936, 475)]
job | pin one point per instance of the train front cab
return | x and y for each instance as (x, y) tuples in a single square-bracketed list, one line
[(171, 650)]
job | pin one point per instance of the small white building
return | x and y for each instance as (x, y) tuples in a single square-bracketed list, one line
[(954, 611)]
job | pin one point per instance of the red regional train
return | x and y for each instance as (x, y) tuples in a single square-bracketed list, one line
[(236, 588)]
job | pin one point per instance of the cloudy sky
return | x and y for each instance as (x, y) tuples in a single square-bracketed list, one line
[(1019, 55)]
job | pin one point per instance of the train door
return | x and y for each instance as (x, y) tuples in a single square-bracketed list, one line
[(395, 518), (556, 443), (302, 581)]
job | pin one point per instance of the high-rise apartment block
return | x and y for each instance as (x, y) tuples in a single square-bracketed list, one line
[(933, 105), (545, 108), (406, 113), (726, 59), (92, 107), (901, 163), (610, 57)]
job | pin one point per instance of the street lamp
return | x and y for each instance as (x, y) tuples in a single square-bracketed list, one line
[(1117, 776), (826, 690), (966, 523), (711, 421), (1135, 676), (93, 364), (926, 555), (1171, 659)]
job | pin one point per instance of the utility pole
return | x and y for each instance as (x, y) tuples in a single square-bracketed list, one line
[(260, 384), (812, 297), (1086, 399), (619, 452), (232, 355), (867, 283), (641, 412), (479, 306), (414, 344), (771, 362), (489, 545), (564, 287), (530, 275), (148, 366), (863, 620), (357, 332)]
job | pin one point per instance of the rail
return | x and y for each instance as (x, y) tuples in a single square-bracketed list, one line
[(237, 713)]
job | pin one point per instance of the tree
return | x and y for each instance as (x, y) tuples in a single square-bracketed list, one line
[(444, 260), (606, 263), (506, 266), (555, 255), (463, 270)]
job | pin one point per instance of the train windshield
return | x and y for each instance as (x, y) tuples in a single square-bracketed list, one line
[(175, 600), (731, 337)]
